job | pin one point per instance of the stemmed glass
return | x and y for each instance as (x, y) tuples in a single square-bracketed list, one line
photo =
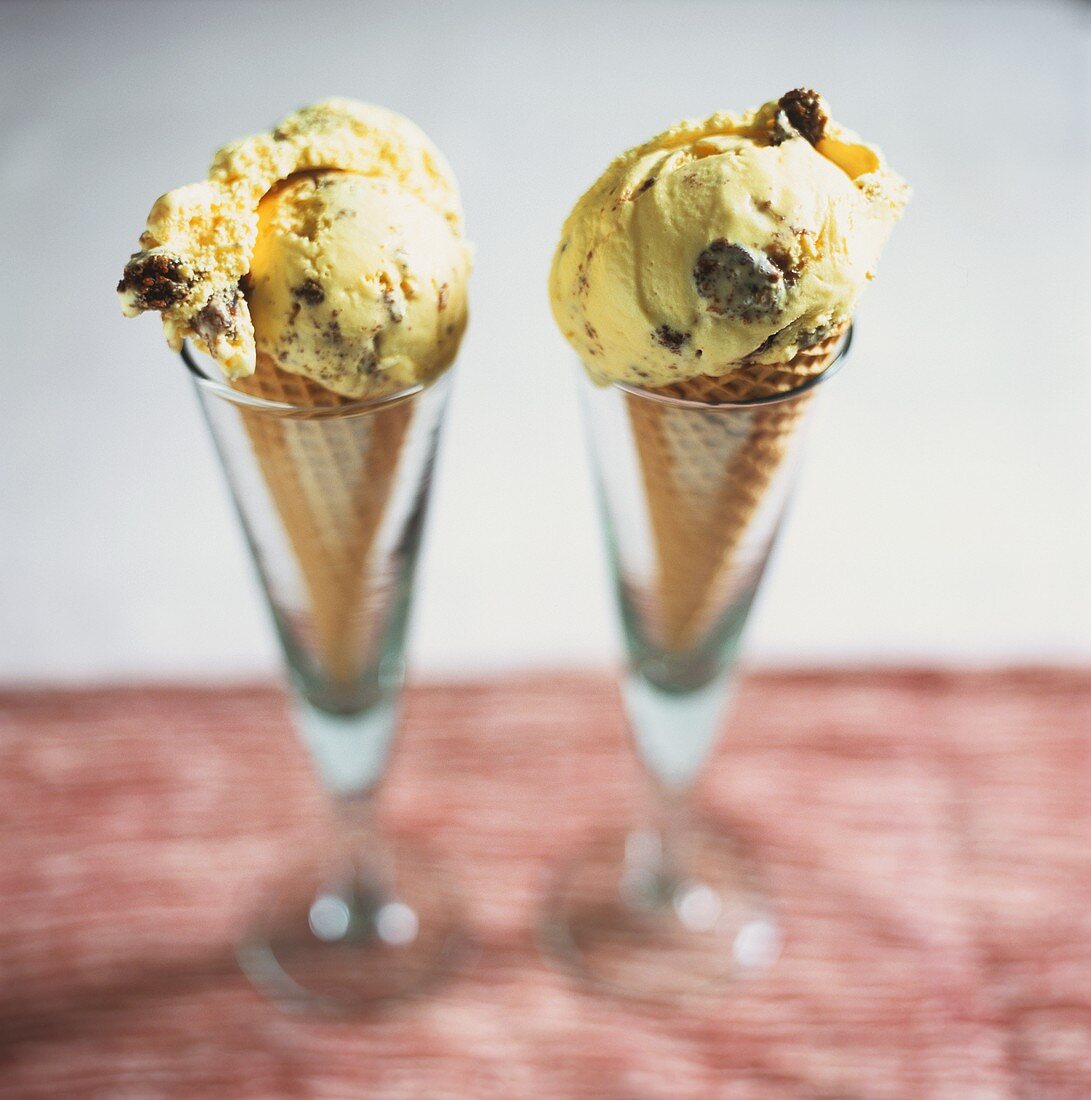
[(691, 496), (332, 500)]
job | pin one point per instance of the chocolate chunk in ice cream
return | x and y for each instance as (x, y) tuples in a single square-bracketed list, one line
[(806, 111), (155, 280), (740, 283), (670, 337), (310, 290), (219, 317)]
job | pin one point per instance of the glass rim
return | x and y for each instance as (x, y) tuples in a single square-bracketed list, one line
[(284, 408), (806, 386)]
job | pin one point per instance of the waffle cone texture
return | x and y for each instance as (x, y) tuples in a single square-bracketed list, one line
[(331, 479), (705, 474)]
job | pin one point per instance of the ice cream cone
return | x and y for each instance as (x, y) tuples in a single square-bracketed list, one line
[(705, 475), (331, 479)]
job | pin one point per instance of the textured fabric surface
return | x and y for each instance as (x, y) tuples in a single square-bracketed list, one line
[(927, 838)]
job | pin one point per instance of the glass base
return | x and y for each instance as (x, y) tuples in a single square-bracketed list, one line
[(620, 921), (357, 933)]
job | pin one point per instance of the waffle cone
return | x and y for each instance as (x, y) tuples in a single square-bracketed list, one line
[(330, 480), (705, 475)]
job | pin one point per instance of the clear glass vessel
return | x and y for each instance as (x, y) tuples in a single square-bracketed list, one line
[(691, 496), (332, 500)]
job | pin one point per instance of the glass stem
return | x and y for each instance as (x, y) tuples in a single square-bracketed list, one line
[(659, 854), (673, 823), (357, 831), (354, 813), (349, 750), (350, 903)]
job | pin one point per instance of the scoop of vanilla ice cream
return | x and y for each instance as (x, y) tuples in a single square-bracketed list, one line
[(356, 283), (739, 237), (200, 239)]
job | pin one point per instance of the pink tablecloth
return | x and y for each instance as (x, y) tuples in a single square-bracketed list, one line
[(928, 836)]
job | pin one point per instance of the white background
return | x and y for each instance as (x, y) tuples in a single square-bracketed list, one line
[(944, 509)]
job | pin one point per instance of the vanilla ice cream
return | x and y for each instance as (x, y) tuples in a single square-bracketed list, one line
[(333, 243), (737, 239), (355, 283)]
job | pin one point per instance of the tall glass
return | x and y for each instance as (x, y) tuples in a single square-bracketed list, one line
[(332, 501), (691, 495)]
